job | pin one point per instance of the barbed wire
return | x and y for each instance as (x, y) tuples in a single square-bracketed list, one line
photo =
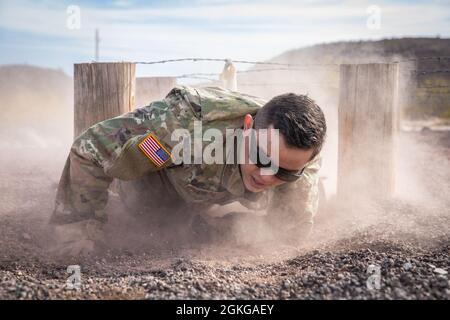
[(433, 87), (269, 84), (200, 74), (206, 76), (426, 58), (424, 72), (196, 76), (234, 61), (284, 64), (288, 67), (286, 84)]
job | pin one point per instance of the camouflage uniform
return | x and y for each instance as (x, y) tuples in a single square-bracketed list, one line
[(109, 150)]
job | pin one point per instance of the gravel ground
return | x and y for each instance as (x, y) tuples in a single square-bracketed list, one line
[(408, 239)]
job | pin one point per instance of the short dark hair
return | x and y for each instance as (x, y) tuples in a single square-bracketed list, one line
[(299, 119)]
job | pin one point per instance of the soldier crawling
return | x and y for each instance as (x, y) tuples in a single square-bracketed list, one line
[(136, 150)]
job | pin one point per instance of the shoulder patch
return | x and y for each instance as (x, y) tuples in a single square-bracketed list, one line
[(154, 150)]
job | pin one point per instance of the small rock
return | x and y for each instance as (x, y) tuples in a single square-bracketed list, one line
[(400, 293), (286, 284), (407, 266), (440, 271), (26, 236)]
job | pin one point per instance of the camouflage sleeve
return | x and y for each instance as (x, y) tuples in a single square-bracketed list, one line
[(110, 149), (293, 205), (113, 144)]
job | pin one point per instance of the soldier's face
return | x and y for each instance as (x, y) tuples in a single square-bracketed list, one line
[(292, 159)]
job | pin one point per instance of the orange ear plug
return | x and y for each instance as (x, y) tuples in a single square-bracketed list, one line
[(248, 121)]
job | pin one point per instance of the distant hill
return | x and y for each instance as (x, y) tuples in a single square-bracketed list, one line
[(423, 95), (367, 51)]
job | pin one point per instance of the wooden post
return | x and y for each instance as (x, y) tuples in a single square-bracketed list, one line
[(153, 88), (367, 126), (102, 91)]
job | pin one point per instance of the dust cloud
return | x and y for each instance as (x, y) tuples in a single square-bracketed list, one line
[(418, 211), (33, 157)]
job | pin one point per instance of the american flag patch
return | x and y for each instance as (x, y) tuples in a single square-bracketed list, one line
[(154, 150)]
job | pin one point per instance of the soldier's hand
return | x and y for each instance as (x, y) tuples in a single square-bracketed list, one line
[(217, 210), (77, 239)]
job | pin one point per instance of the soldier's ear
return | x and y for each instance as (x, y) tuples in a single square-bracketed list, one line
[(248, 121)]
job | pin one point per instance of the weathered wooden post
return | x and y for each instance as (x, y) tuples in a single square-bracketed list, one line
[(102, 91), (149, 89), (367, 126)]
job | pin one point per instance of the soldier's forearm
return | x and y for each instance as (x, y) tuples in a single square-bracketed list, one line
[(221, 210), (82, 191)]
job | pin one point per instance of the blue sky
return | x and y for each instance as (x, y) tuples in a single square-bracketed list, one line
[(36, 32)]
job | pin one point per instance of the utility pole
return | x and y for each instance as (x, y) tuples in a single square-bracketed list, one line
[(97, 42)]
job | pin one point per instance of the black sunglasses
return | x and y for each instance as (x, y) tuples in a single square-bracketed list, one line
[(282, 174)]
